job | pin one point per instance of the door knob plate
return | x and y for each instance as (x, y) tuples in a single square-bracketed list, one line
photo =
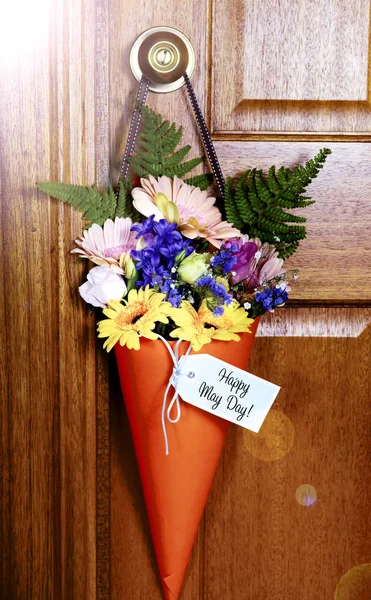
[(162, 55)]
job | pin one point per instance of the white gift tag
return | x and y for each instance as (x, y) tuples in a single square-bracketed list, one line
[(225, 391)]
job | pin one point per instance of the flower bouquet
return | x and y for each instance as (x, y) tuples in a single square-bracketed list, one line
[(179, 271)]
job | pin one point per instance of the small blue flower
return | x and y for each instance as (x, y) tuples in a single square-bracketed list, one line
[(217, 289), (175, 298), (216, 261), (145, 227), (224, 259), (270, 298)]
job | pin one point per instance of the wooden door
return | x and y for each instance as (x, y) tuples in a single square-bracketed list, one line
[(288, 516)]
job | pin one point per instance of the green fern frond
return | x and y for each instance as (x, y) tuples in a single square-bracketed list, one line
[(201, 181), (186, 167), (156, 150), (121, 200), (277, 214), (260, 200), (179, 155), (125, 207), (95, 206), (230, 207)]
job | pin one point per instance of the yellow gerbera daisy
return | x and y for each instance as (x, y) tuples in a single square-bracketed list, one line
[(201, 327), (137, 316)]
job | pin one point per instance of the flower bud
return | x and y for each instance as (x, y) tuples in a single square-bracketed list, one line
[(127, 264), (193, 267)]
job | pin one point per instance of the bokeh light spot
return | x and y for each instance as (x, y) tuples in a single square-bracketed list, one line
[(275, 438), (355, 584), (306, 494)]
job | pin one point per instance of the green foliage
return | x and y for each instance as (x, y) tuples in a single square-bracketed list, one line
[(156, 154), (201, 181), (95, 206), (255, 203), (125, 206)]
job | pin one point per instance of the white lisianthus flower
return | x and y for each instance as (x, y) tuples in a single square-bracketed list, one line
[(102, 285)]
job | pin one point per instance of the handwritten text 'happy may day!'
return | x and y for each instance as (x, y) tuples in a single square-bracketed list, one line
[(238, 388)]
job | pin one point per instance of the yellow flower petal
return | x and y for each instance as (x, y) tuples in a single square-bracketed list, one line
[(137, 316), (201, 327)]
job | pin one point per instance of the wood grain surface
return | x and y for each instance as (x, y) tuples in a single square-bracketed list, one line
[(333, 260), (73, 524), (51, 380), (290, 66), (261, 542)]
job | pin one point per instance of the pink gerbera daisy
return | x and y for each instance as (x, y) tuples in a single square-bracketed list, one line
[(192, 209), (107, 245)]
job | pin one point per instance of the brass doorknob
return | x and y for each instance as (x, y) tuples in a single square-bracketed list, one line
[(162, 55)]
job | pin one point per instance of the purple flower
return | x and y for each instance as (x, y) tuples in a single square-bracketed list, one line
[(175, 298), (215, 294), (155, 262), (244, 266), (145, 227)]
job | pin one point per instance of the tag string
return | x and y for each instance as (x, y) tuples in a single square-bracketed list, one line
[(173, 382)]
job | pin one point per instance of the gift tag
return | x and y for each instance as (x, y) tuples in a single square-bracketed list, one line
[(225, 391)]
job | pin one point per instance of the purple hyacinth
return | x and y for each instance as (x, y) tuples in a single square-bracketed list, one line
[(155, 262)]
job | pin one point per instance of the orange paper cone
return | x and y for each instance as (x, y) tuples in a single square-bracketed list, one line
[(175, 486)]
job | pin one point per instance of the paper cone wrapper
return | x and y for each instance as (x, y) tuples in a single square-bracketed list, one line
[(175, 486)]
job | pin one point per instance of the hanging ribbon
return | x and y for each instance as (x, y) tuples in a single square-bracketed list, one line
[(205, 136), (214, 163), (134, 128), (202, 127)]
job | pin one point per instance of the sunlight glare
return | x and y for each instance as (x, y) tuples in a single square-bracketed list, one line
[(23, 28)]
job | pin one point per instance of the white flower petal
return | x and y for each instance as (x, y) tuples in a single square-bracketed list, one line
[(102, 285)]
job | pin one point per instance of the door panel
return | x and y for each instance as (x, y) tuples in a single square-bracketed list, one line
[(290, 67), (333, 258), (288, 513), (73, 521), (49, 388)]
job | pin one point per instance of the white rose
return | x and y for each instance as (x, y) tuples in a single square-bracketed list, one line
[(102, 285)]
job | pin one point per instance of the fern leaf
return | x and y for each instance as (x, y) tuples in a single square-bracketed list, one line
[(260, 202), (178, 156), (95, 206), (277, 214), (230, 208), (201, 181), (125, 207), (121, 201), (156, 150), (185, 167), (253, 196), (241, 201)]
